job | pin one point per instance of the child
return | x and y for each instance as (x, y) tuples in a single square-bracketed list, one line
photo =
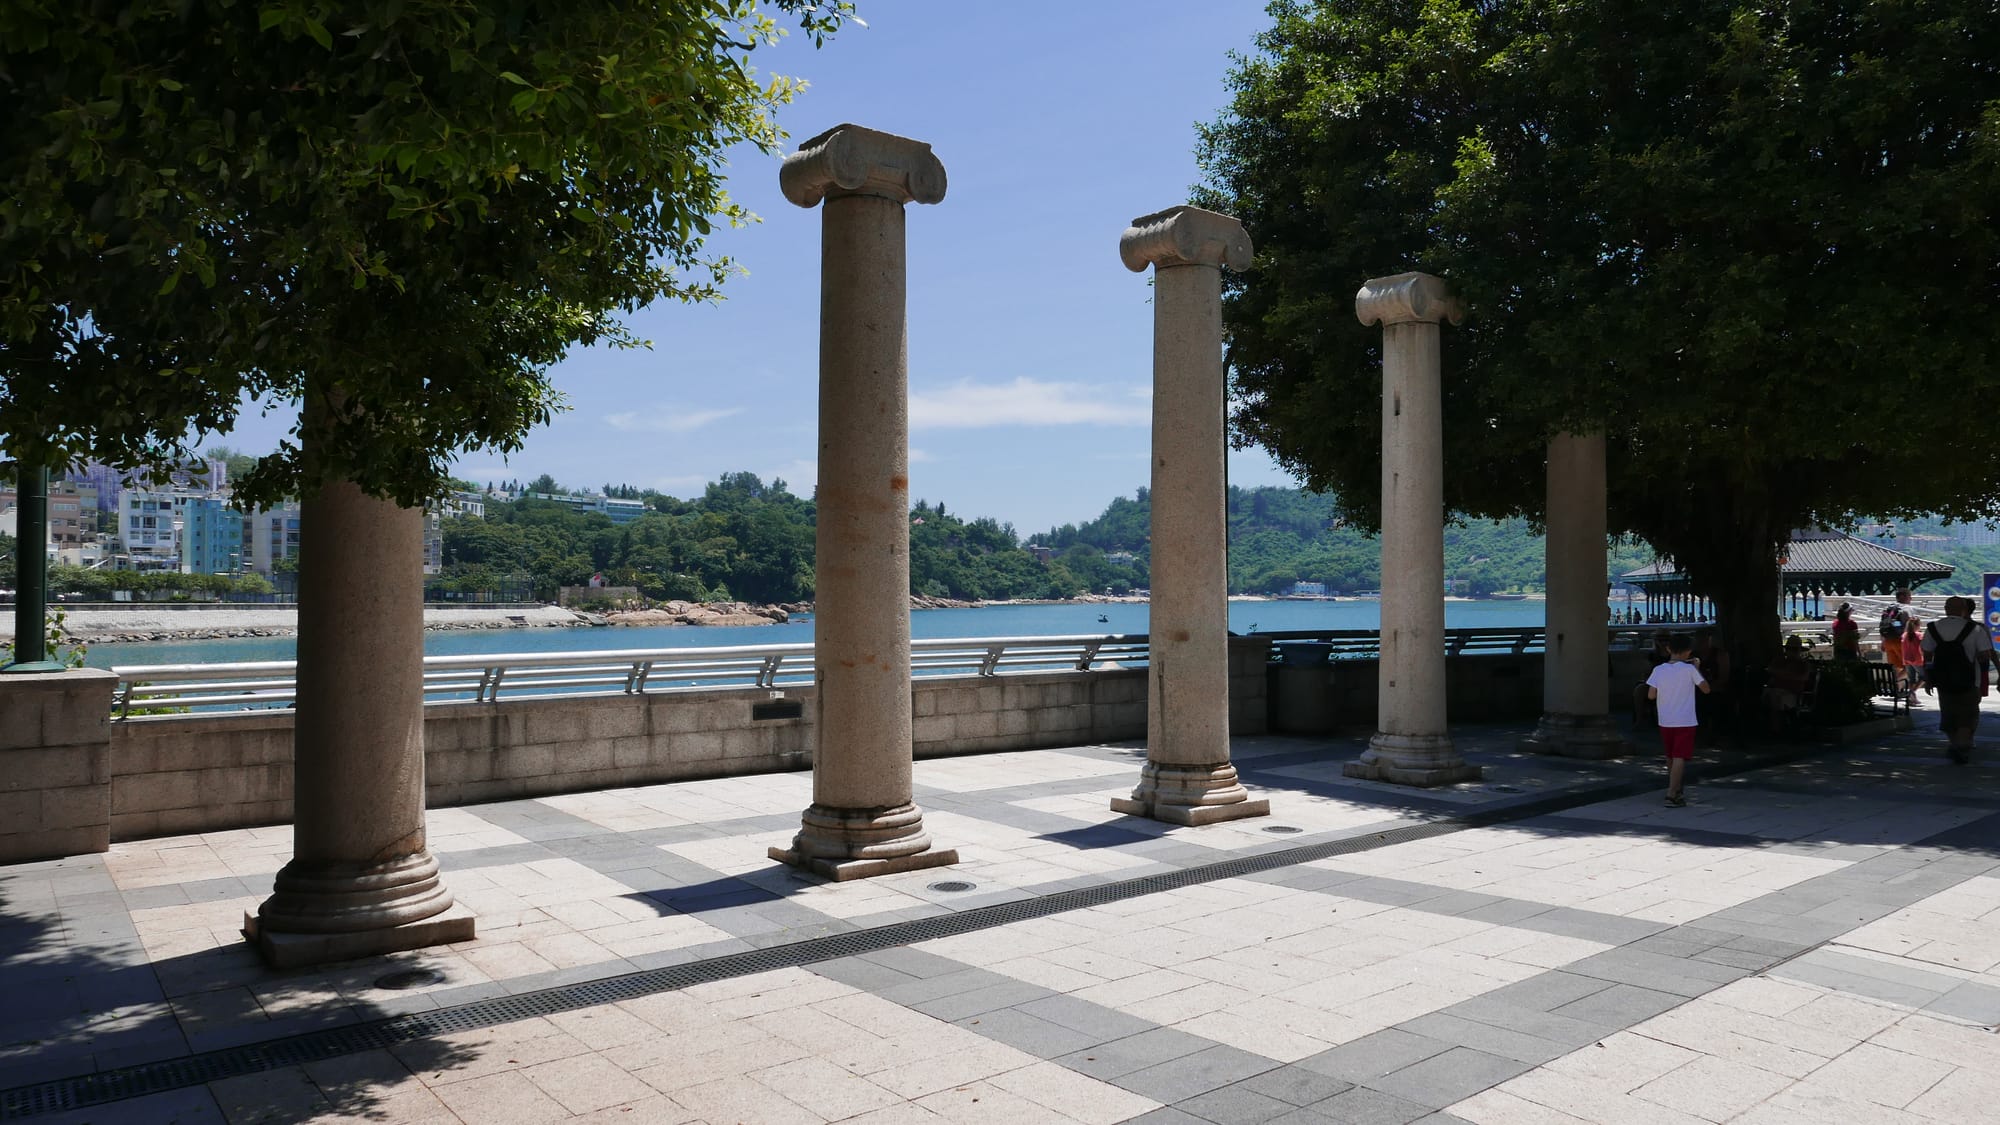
[(1913, 656), (1672, 688)]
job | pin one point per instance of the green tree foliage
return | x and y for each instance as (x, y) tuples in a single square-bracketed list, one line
[(1743, 241), (397, 212), (7, 547)]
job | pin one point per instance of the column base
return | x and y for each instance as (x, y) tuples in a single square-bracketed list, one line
[(843, 844), (841, 870), (1422, 760), (1576, 736), (1190, 795), (284, 950)]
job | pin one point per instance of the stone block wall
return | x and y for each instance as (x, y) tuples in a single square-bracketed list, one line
[(55, 763), (177, 774)]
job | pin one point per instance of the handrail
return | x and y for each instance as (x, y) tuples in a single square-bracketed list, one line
[(489, 677), (478, 677)]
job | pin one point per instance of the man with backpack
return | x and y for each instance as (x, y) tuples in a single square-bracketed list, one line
[(1956, 652)]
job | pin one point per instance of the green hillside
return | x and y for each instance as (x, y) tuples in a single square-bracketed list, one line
[(748, 540)]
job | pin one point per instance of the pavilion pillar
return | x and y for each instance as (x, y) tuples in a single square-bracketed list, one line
[(1412, 744), (1188, 778), (863, 820), (361, 881), (1576, 719)]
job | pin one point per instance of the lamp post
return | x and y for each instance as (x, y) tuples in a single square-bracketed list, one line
[(31, 568)]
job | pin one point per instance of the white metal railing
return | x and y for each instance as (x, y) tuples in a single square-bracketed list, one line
[(487, 678)]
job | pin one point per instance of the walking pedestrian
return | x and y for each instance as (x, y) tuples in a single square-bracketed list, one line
[(1673, 687), (1957, 650)]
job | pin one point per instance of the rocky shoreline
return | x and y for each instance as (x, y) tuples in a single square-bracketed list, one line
[(229, 621)]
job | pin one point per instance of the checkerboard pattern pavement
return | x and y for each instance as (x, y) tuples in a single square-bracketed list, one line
[(1811, 940)]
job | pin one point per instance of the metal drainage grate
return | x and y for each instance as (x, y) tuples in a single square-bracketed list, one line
[(104, 1087), (410, 978), (1281, 829), (953, 885)]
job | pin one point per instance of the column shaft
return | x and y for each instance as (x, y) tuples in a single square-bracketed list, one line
[(1412, 690), (361, 880), (1187, 701), (861, 610), (1576, 719)]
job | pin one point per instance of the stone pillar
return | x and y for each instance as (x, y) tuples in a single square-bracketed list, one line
[(863, 820), (361, 881), (1412, 745), (1576, 720), (1188, 778)]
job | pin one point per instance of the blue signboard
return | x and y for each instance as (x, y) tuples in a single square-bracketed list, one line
[(1990, 602)]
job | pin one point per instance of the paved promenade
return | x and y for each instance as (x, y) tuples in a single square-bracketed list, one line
[(1816, 938)]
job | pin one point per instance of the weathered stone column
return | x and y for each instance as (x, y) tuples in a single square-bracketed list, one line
[(863, 820), (361, 880), (1576, 720), (1188, 778), (1412, 745)]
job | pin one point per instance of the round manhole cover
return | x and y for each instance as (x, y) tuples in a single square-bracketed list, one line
[(1281, 829), (410, 978), (953, 885)]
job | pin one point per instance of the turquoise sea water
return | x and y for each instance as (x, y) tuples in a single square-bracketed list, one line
[(985, 621)]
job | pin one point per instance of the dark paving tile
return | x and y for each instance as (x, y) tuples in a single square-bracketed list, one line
[(1451, 1077), (915, 962), (1621, 1006), (948, 984), (1119, 1057), (1372, 1056), (1505, 1041), (1979, 1003), (1101, 1023), (1186, 1076), (1362, 1106), (1656, 972), (1295, 1085), (976, 1001), (1235, 1104), (1546, 991), (1167, 1115), (1024, 1032)]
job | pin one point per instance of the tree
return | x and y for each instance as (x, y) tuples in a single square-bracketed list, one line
[(1740, 241), (398, 212)]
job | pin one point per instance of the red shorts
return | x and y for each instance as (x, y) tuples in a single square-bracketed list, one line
[(1679, 741)]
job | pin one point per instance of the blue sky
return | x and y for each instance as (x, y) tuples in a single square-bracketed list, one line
[(1030, 344)]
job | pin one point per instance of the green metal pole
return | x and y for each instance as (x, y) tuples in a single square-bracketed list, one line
[(31, 567)]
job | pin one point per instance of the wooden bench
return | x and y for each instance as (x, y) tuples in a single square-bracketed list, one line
[(1887, 680)]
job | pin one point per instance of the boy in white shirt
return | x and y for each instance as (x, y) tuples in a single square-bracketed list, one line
[(1672, 688)]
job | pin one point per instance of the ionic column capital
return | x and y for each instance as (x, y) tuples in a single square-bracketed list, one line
[(1406, 298), (851, 160), (1184, 236)]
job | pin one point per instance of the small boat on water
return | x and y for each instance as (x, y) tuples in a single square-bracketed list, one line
[(1102, 617)]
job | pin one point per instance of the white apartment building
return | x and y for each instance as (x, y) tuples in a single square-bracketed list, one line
[(149, 528)]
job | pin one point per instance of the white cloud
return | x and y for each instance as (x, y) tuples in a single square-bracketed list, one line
[(922, 457), (1026, 402), (666, 419)]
